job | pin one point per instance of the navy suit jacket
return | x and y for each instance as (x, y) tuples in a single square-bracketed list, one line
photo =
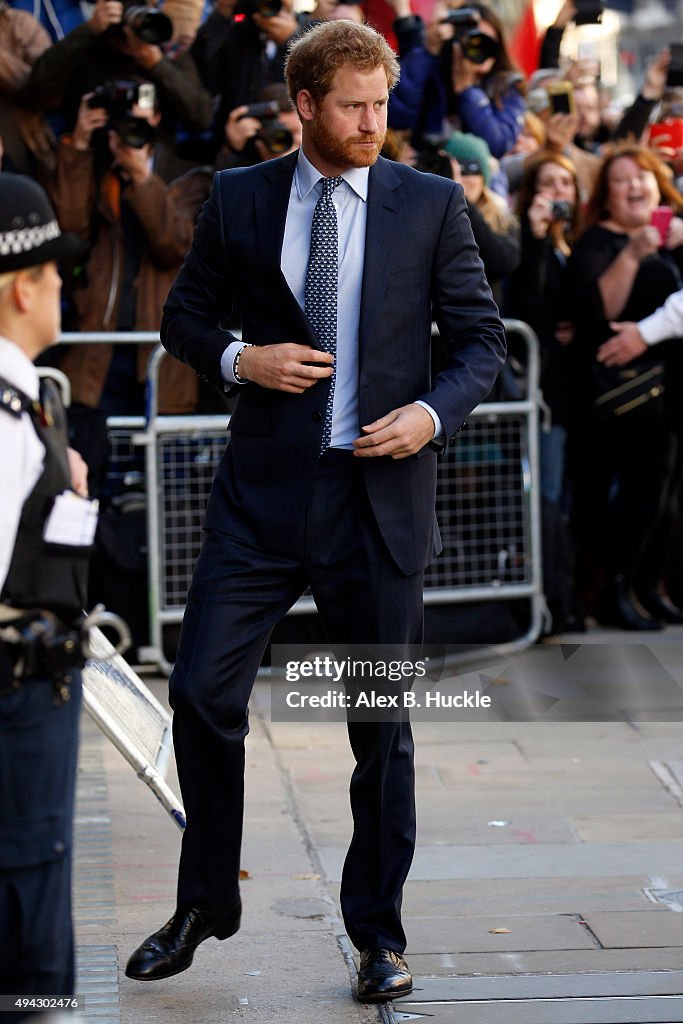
[(421, 262)]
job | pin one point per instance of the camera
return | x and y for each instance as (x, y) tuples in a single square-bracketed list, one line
[(562, 210), (118, 99), (266, 8), (462, 18), (588, 12), (147, 23), (431, 157), (478, 47), (273, 133)]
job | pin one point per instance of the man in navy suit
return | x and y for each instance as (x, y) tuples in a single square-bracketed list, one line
[(340, 260)]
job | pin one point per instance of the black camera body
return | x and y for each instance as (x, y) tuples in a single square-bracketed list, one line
[(476, 46), (463, 18), (118, 99), (266, 8), (562, 210), (273, 133)]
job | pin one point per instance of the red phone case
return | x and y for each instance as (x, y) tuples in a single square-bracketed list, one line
[(668, 133), (661, 218)]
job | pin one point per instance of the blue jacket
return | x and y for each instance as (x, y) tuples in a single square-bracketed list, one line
[(419, 102)]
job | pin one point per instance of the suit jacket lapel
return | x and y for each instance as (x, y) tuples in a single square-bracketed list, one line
[(270, 213), (381, 234)]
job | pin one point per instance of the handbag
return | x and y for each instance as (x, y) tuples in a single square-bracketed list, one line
[(621, 390)]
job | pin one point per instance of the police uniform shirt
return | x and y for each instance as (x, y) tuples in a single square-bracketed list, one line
[(21, 453)]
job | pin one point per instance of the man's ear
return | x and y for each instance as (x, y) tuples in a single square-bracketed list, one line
[(305, 105)]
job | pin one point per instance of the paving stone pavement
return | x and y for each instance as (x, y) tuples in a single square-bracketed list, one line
[(547, 886)]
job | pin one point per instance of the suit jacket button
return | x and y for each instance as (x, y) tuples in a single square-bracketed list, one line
[(316, 416)]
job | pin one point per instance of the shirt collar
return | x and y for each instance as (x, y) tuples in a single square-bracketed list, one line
[(307, 177), (17, 368)]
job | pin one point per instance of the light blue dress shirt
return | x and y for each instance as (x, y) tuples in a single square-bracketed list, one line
[(350, 202)]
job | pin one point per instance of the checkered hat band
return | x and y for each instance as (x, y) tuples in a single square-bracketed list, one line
[(26, 239)]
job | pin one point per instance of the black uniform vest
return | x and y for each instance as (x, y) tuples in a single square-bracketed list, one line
[(43, 575)]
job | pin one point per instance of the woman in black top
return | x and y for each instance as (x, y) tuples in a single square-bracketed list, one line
[(623, 269), (537, 294)]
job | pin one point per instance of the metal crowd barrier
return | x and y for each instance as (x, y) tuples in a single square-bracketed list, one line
[(487, 498)]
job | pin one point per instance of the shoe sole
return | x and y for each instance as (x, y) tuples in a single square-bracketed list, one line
[(383, 997)]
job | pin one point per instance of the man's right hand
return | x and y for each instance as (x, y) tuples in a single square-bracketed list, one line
[(106, 13), (285, 367), (87, 121)]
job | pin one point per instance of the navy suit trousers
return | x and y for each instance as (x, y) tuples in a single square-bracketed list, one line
[(239, 592)]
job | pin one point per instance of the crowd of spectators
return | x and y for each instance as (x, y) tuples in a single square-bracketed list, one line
[(575, 203)]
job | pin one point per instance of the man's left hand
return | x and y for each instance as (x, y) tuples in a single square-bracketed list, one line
[(400, 433)]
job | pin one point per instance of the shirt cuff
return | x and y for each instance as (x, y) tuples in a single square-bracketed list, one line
[(651, 329), (228, 361), (439, 434)]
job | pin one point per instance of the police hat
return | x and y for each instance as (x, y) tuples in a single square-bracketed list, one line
[(29, 232)]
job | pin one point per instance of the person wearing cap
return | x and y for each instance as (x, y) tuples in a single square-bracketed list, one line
[(42, 591), (495, 229)]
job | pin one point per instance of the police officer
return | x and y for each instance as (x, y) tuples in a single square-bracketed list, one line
[(43, 504)]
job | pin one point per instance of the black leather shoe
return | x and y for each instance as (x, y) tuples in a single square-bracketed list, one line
[(170, 950), (660, 607), (616, 607), (383, 974)]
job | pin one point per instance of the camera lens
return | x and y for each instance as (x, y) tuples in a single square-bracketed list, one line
[(478, 47), (148, 24)]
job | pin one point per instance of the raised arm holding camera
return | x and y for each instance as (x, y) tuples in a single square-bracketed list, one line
[(462, 77), (122, 41), (139, 228)]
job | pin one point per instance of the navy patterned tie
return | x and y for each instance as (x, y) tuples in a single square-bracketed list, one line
[(320, 297)]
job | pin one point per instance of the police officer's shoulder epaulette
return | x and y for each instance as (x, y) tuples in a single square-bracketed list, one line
[(12, 399)]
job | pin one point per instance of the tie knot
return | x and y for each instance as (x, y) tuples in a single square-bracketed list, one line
[(329, 185)]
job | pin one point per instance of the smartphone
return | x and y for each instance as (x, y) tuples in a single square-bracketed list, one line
[(661, 218), (674, 75), (668, 133), (561, 95)]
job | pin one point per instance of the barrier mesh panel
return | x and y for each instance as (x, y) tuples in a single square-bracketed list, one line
[(482, 506), (186, 467)]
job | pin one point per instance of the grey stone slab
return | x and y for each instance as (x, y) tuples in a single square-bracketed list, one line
[(621, 930), (653, 1010), (544, 961), (557, 986), (600, 828), (476, 934), (525, 895), (533, 861)]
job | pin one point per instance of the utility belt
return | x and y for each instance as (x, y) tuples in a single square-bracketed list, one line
[(37, 644)]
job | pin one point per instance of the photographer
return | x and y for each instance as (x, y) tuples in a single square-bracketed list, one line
[(109, 47), (550, 218), (139, 229), (27, 140), (240, 50), (462, 76), (264, 130)]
